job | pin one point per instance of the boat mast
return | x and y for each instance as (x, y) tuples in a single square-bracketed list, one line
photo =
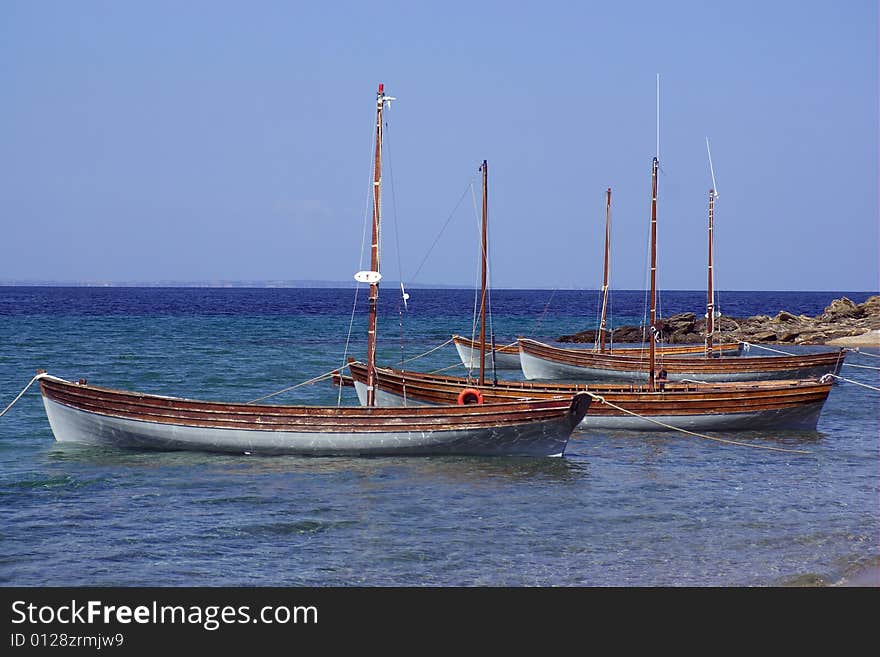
[(605, 277), (484, 167), (710, 288), (381, 98), (653, 329)]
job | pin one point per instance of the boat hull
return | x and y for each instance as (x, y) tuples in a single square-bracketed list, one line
[(794, 405), (469, 352), (99, 416), (545, 362), (804, 417), (507, 357)]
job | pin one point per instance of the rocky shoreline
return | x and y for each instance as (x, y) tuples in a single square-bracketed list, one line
[(842, 323)]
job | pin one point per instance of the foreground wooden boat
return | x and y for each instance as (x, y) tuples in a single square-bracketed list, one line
[(103, 416), (794, 404)]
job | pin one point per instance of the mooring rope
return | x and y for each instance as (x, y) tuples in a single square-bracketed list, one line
[(602, 400), (749, 345), (864, 367), (448, 367), (785, 353), (857, 383), (430, 351), (856, 350), (37, 377), (320, 377)]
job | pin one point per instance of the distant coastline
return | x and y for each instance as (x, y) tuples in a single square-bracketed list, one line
[(276, 284), (269, 284)]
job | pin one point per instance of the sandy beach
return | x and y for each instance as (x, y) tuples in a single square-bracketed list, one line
[(869, 339)]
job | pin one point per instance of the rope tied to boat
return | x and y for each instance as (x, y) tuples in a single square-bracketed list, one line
[(320, 377), (327, 375), (858, 351), (864, 367), (726, 441), (430, 351), (448, 367), (39, 375), (857, 383), (786, 353), (749, 345)]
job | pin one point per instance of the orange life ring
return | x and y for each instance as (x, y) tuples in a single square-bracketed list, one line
[(470, 396)]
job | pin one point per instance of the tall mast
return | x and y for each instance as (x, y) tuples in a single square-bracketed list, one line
[(484, 250), (605, 277), (381, 98), (710, 288), (653, 330)]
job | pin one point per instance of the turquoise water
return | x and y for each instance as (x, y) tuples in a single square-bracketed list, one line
[(619, 510)]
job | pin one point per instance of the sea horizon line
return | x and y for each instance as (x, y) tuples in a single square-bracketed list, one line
[(319, 284)]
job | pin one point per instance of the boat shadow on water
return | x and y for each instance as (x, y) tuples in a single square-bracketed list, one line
[(473, 469), (785, 439)]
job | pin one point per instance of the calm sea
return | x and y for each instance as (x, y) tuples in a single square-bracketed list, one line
[(619, 510)]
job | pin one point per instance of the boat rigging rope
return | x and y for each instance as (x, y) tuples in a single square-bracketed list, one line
[(448, 367), (862, 353), (864, 367), (320, 377), (726, 441), (786, 353), (37, 377), (470, 364), (546, 308), (367, 202), (469, 186), (858, 383), (430, 351), (749, 345)]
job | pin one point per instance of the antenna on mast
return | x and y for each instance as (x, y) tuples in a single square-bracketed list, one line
[(711, 169), (657, 152)]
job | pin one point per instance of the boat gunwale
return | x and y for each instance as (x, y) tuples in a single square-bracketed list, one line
[(118, 403), (681, 364), (674, 400)]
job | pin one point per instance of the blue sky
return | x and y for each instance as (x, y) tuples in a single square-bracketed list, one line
[(144, 141)]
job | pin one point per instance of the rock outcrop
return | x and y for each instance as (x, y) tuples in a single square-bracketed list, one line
[(841, 319)]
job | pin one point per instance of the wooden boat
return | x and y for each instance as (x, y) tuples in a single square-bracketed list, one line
[(90, 414), (101, 416), (507, 356), (548, 362), (601, 345), (473, 353), (789, 404), (792, 404)]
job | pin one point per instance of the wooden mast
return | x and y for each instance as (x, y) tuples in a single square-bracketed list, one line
[(374, 251), (710, 288), (484, 250), (653, 318), (605, 277)]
